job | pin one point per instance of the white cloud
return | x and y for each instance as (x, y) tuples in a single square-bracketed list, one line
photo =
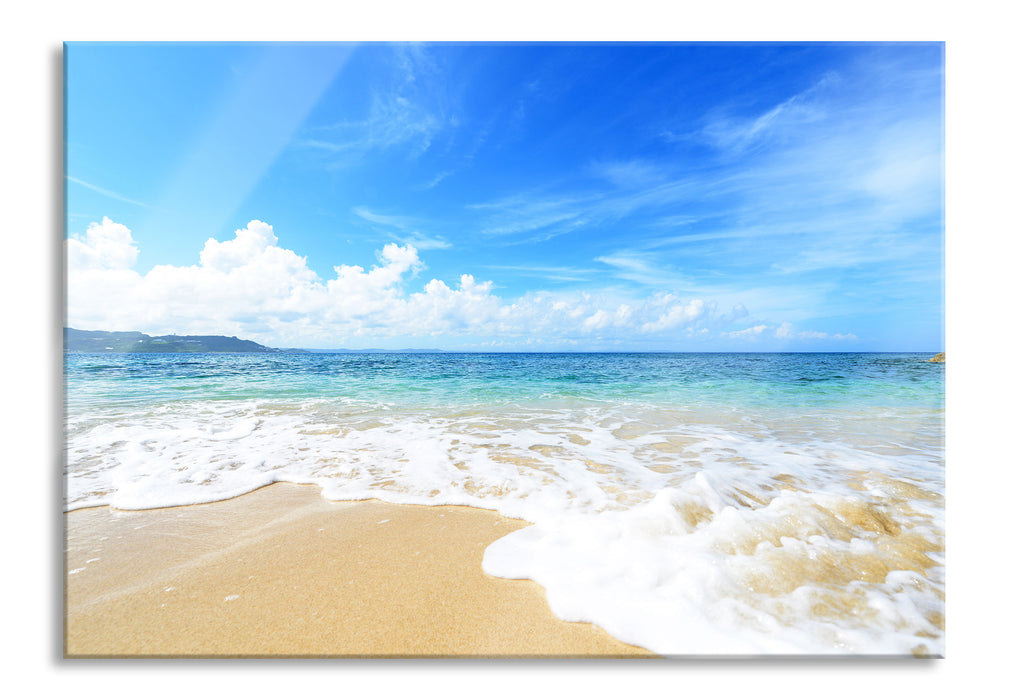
[(751, 332), (628, 174), (409, 112), (799, 110), (785, 332), (251, 287), (640, 267), (433, 182), (440, 309), (600, 319), (407, 225), (376, 294), (249, 243), (557, 273), (105, 246), (394, 120), (675, 314), (542, 216), (400, 222)]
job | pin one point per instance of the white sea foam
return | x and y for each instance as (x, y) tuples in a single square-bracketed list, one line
[(683, 532)]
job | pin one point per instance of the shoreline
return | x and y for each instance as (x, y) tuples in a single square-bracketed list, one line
[(281, 571)]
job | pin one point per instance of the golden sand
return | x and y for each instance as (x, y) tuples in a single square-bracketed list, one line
[(283, 572)]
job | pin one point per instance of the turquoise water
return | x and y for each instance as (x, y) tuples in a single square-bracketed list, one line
[(688, 503), (759, 380)]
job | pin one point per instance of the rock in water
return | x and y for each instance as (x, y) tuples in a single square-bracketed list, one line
[(940, 357)]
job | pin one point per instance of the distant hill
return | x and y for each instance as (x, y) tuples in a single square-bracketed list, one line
[(131, 341)]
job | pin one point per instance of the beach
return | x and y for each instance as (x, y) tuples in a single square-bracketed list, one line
[(281, 571), (414, 504)]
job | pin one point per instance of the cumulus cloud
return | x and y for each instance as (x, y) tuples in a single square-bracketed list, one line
[(249, 243), (675, 315), (104, 246), (784, 330), (249, 285), (252, 287)]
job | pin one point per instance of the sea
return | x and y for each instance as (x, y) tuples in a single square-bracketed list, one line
[(691, 504)]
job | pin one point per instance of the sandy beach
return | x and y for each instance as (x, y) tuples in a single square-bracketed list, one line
[(283, 572)]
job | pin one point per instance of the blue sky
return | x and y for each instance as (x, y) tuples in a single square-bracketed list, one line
[(700, 197)]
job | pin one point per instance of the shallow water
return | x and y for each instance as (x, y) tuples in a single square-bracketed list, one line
[(687, 503)]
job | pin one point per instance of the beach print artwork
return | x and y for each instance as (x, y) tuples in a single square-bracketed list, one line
[(504, 350)]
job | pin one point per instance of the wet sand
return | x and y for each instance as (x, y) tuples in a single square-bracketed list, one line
[(283, 572)]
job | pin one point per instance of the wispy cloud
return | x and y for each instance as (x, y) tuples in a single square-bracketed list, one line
[(642, 269), (422, 241), (736, 134), (785, 331), (400, 222), (555, 273), (406, 227), (524, 213), (407, 113), (436, 180), (107, 193), (852, 184), (542, 216), (394, 120), (635, 172)]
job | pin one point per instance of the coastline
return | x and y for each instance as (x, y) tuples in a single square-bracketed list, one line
[(281, 571)]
